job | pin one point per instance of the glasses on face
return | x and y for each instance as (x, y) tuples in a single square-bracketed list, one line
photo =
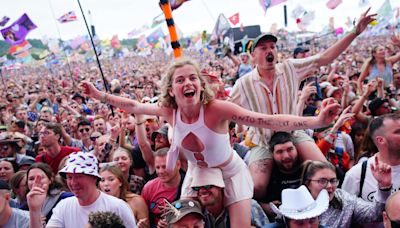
[(324, 182), (44, 133), (84, 129), (206, 187)]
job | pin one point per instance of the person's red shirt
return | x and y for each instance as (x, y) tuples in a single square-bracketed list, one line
[(55, 162)]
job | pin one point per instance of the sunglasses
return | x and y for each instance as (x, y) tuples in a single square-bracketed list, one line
[(84, 129), (45, 133), (206, 187)]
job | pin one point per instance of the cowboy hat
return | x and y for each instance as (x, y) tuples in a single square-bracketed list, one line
[(298, 204)]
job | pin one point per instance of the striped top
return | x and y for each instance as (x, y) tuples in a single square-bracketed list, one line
[(252, 93)]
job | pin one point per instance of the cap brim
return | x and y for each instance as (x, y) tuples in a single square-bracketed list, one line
[(268, 37), (322, 204), (181, 215)]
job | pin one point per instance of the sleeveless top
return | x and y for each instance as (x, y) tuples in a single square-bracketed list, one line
[(217, 149), (387, 74)]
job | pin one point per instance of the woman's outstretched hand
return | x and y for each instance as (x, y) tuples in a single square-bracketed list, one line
[(89, 89)]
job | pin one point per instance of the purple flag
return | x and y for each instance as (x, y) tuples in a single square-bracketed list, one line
[(17, 31), (4, 21)]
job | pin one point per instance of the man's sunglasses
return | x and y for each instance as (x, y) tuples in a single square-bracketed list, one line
[(206, 187)]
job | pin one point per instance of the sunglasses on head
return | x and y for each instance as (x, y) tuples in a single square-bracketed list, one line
[(206, 187), (84, 129)]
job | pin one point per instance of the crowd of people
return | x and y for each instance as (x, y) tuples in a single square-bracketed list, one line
[(269, 138)]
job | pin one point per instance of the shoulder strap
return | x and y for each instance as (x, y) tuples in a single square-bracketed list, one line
[(178, 193), (363, 172)]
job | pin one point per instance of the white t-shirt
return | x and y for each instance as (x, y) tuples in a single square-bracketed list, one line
[(351, 181), (351, 184), (68, 213)]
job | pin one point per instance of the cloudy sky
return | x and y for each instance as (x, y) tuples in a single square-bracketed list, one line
[(121, 16)]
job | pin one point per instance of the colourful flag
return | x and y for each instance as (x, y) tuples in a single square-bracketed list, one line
[(298, 12), (20, 48), (77, 42), (4, 21), (234, 19), (142, 42), (115, 42), (221, 27), (17, 31), (332, 4), (175, 4), (158, 20), (265, 4), (68, 17), (155, 35)]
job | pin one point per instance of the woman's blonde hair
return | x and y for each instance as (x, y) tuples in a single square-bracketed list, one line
[(166, 100)]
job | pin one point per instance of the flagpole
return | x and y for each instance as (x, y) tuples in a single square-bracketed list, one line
[(59, 34), (95, 53)]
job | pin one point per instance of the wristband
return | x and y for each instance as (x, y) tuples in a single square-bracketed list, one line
[(112, 140), (385, 189)]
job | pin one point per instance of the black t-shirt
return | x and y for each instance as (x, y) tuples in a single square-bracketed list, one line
[(280, 181)]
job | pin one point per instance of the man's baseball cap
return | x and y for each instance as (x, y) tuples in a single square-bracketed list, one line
[(375, 104), (262, 37), (299, 50), (180, 208)]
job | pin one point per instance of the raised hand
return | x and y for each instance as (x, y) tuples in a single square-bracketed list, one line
[(329, 111), (36, 195), (396, 40), (89, 89), (307, 91), (382, 172), (363, 21), (346, 115)]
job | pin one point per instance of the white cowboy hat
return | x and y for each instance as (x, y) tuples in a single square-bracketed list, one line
[(299, 204)]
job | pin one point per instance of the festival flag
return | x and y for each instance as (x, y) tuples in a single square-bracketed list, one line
[(265, 4), (68, 17), (155, 35), (17, 31), (142, 42), (234, 19), (332, 4), (175, 4), (221, 27), (4, 21), (77, 42), (298, 12), (136, 31), (115, 43), (17, 49)]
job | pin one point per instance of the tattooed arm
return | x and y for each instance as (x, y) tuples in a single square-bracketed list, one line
[(233, 112)]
